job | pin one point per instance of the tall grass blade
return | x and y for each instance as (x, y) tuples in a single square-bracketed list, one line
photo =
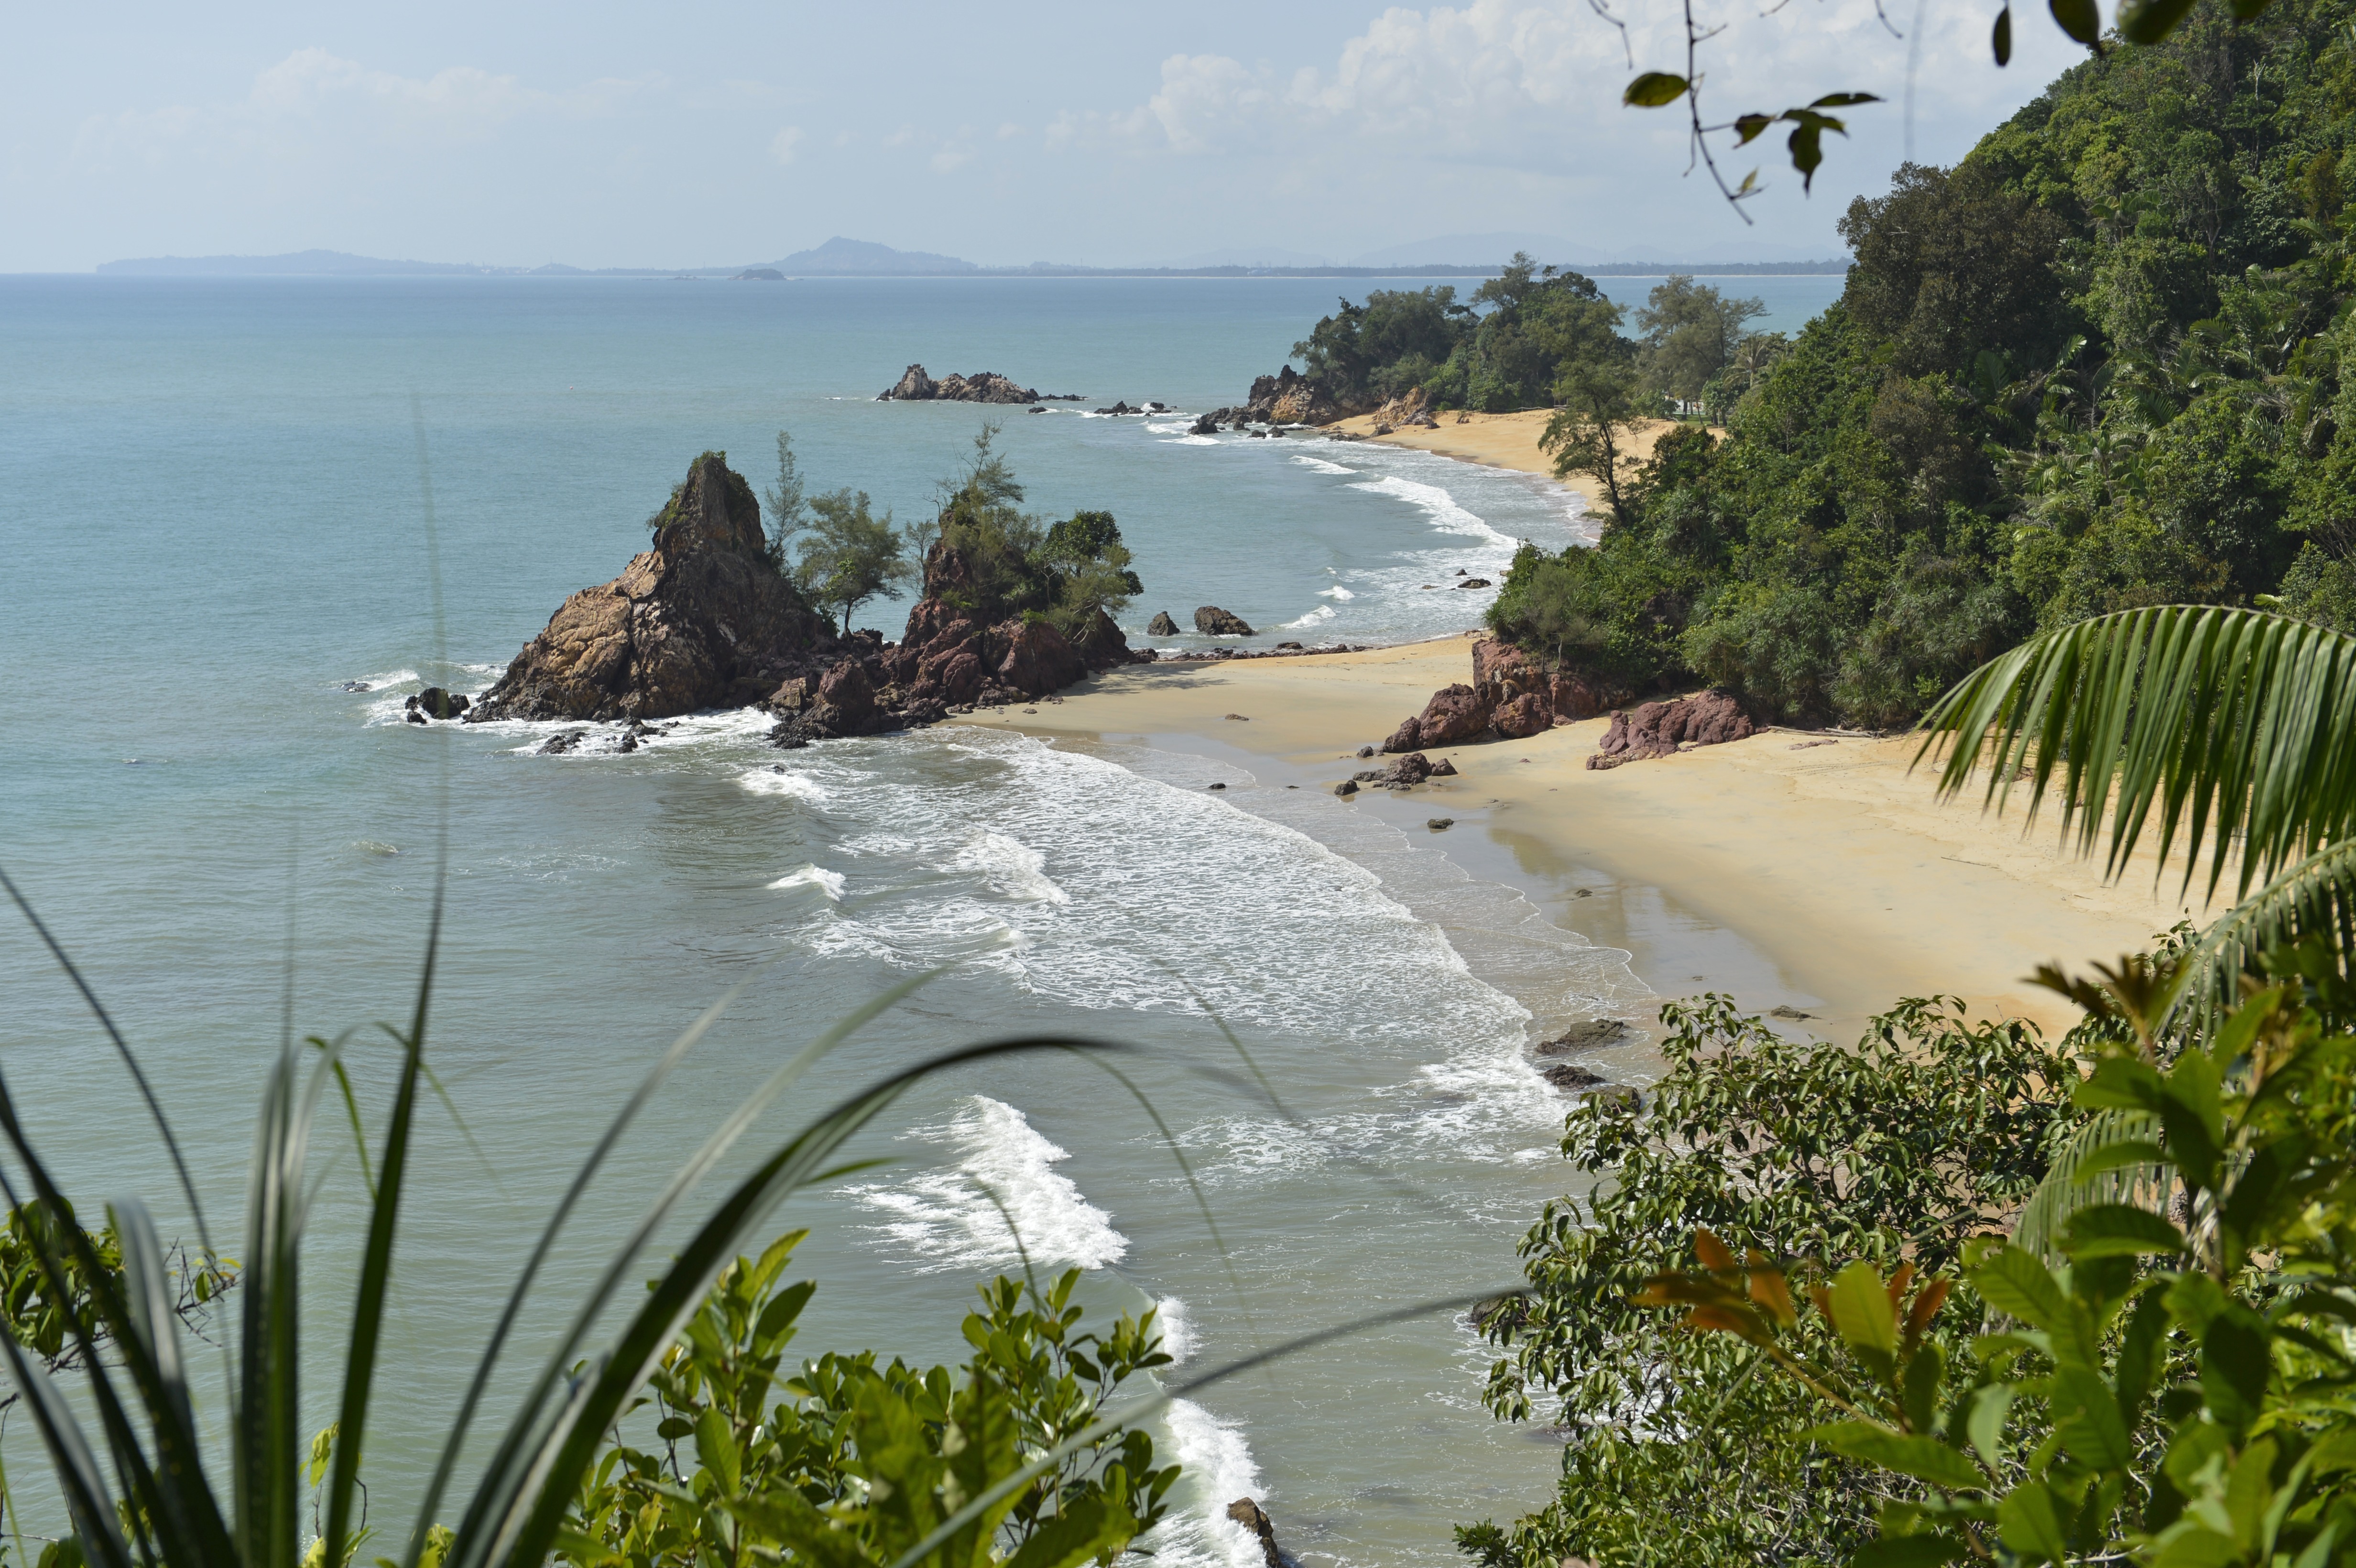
[(121, 1049), (504, 1472), (519, 1524), (446, 1464)]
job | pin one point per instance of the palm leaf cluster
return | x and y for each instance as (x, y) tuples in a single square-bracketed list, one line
[(2223, 736)]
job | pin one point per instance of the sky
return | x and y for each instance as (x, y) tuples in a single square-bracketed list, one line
[(719, 132)]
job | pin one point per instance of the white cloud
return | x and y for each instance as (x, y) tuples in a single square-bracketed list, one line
[(951, 158), (783, 144), (1535, 85), (313, 98)]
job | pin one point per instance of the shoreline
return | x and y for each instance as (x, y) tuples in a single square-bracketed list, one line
[(1815, 874), (1500, 441)]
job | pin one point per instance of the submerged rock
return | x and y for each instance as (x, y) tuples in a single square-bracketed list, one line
[(1213, 621), (1248, 1513)]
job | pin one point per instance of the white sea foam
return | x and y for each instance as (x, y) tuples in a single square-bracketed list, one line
[(1437, 504), (1319, 466), (1004, 1185), (1013, 867), (819, 877), (1337, 592), (1215, 1463), (1188, 441), (1178, 1338), (1318, 616), (795, 787), (383, 679)]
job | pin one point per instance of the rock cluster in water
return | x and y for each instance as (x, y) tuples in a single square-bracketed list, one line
[(703, 620), (982, 387), (700, 620), (1287, 397)]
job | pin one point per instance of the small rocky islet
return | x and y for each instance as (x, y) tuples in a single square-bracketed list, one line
[(702, 620)]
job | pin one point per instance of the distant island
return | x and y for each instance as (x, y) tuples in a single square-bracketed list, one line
[(841, 257)]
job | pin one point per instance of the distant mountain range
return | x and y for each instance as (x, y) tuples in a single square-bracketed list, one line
[(1450, 255)]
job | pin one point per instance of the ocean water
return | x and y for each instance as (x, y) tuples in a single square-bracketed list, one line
[(221, 583)]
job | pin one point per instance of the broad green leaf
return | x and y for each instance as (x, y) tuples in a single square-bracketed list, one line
[(1654, 88), (1924, 1550), (2121, 1230), (1989, 1405), (2080, 19), (2149, 21), (2028, 1517), (2000, 38), (2016, 1284), (1924, 1458), (2086, 1413), (1861, 1309), (2236, 1358)]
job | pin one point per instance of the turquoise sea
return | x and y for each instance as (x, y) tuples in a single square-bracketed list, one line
[(213, 510)]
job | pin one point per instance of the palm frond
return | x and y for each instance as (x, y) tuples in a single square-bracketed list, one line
[(2218, 727), (2315, 897), (2082, 1174)]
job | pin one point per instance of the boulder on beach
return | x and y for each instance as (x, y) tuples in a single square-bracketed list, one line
[(1214, 621), (1663, 729)]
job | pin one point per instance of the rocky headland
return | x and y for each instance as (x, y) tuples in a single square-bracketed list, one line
[(703, 620), (982, 387)]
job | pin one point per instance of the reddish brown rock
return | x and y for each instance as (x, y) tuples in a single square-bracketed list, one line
[(1037, 659), (700, 621), (1659, 728), (1574, 694), (1456, 713), (1519, 718), (1408, 737)]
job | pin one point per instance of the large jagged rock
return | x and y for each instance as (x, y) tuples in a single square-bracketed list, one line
[(982, 387), (1213, 621), (702, 620), (1663, 729), (1513, 697), (1290, 398)]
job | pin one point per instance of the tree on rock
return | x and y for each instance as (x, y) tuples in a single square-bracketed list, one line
[(847, 555)]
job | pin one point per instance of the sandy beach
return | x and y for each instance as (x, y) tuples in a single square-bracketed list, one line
[(1788, 868), (1500, 441)]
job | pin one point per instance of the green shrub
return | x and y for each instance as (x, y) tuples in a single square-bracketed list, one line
[(1678, 1452)]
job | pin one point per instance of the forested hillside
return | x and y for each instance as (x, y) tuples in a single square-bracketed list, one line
[(2096, 365)]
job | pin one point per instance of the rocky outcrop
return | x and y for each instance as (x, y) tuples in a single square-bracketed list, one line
[(982, 387), (1246, 1512), (435, 703), (1290, 398), (1162, 625), (1664, 728), (1512, 697), (702, 620), (1213, 621), (1412, 412)]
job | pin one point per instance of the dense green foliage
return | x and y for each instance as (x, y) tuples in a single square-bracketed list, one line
[(832, 547), (1676, 1455), (2094, 366), (855, 1462), (1502, 351), (2164, 1380), (1005, 563)]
